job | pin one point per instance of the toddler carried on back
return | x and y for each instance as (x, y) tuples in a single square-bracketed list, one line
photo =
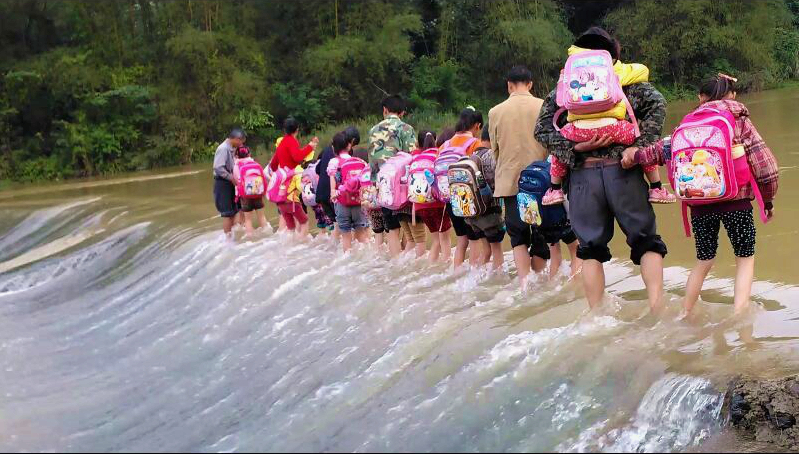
[(590, 89)]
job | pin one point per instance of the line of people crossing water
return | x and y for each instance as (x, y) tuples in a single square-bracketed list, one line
[(595, 144)]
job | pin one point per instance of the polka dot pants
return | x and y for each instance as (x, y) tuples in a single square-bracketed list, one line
[(740, 227)]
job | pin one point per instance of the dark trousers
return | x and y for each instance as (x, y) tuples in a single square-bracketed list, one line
[(603, 192)]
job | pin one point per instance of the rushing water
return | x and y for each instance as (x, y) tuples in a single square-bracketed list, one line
[(128, 323)]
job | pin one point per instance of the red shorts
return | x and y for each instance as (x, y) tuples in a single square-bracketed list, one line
[(435, 219), (293, 214)]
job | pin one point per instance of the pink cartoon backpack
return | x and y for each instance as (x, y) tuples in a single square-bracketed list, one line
[(421, 179), (352, 170), (703, 169), (278, 189), (589, 85), (252, 181), (392, 182)]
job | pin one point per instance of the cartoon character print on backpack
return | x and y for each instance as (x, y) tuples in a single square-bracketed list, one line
[(420, 187), (462, 199), (699, 174), (529, 209)]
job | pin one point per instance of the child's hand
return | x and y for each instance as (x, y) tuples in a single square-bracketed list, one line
[(628, 158)]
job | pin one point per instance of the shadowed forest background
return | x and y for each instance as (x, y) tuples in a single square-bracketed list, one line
[(101, 87)]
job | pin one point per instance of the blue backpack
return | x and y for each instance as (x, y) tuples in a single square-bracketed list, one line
[(533, 184)]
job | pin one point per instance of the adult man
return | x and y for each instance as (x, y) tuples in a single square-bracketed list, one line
[(386, 139), (224, 181), (601, 191), (511, 125)]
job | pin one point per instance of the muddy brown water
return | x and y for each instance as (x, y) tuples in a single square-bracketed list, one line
[(128, 323)]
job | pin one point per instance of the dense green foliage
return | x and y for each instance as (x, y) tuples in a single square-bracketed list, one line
[(98, 87)]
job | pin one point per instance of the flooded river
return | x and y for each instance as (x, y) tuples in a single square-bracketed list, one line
[(127, 323)]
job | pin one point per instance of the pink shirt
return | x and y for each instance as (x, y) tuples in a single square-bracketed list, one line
[(335, 164)]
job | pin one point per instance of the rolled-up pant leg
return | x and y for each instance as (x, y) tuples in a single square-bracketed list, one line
[(590, 214)]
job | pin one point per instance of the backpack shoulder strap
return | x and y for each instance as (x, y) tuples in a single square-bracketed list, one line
[(631, 113), (686, 224), (559, 113)]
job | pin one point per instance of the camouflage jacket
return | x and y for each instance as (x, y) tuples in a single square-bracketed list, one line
[(650, 111), (388, 138)]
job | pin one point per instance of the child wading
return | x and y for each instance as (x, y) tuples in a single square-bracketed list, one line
[(345, 173), (251, 189), (718, 164), (463, 143), (422, 193), (490, 226)]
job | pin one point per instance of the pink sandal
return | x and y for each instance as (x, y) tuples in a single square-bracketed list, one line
[(553, 197), (661, 195)]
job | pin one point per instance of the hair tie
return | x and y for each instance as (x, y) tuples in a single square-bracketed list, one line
[(724, 76), (428, 134), (471, 108)]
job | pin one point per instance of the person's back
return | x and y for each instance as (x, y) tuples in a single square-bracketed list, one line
[(512, 124), (386, 139)]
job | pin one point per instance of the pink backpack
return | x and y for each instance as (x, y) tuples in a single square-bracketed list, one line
[(392, 182), (702, 169), (449, 155), (349, 192), (421, 179), (278, 189), (251, 180), (589, 85)]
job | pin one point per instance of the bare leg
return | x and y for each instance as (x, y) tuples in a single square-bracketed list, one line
[(362, 235), (446, 246), (435, 247), (652, 272), (538, 264), (248, 224), (556, 259), (475, 253), (486, 250), (577, 264), (744, 276), (421, 249), (263, 224), (460, 251), (281, 224), (346, 240), (499, 257), (521, 255), (227, 225), (653, 176), (694, 286), (394, 242), (594, 282), (303, 229), (379, 239)]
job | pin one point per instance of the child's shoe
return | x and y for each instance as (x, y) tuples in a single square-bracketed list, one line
[(553, 197), (661, 195)]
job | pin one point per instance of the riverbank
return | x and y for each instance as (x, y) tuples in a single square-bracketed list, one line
[(766, 410), (433, 120)]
